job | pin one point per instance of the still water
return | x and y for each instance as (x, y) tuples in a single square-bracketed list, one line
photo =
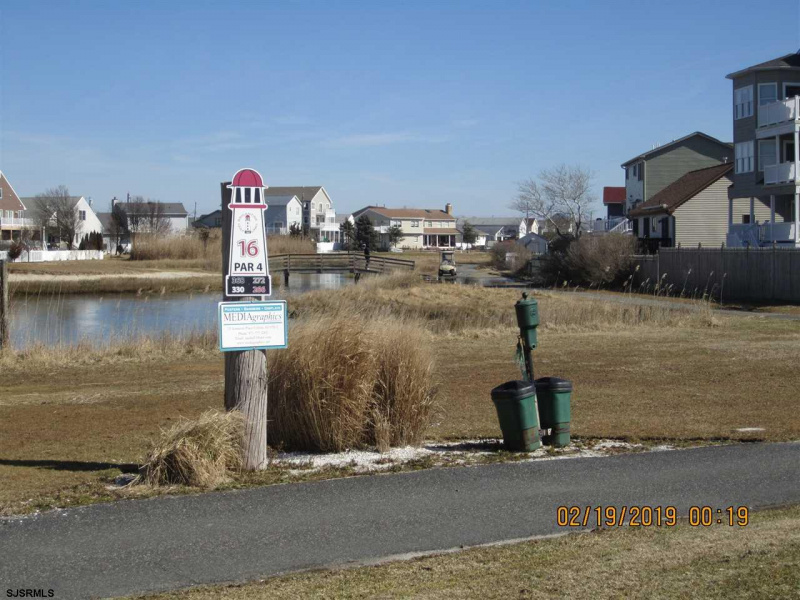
[(105, 318)]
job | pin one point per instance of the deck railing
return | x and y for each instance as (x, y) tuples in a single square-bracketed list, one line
[(779, 112), (780, 173)]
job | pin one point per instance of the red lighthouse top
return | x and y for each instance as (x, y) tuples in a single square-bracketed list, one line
[(247, 178)]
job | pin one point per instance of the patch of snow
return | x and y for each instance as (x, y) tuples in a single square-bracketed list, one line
[(749, 429)]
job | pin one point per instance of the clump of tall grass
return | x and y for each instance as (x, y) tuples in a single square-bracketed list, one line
[(348, 382), (208, 248), (200, 453)]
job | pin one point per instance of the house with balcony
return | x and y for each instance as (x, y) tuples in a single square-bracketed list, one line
[(650, 172), (764, 200), (12, 212), (423, 228), (691, 211), (318, 214)]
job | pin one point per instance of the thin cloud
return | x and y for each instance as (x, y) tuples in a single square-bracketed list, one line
[(366, 140)]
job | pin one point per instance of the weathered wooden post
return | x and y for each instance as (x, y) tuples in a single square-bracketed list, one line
[(5, 330), (245, 371)]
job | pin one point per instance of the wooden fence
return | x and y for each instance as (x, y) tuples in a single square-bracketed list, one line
[(727, 274)]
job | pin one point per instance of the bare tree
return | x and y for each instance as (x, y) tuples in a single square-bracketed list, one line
[(147, 216), (569, 188), (56, 212), (529, 200), (562, 195), (118, 225)]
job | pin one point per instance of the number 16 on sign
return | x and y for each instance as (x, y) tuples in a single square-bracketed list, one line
[(248, 268)]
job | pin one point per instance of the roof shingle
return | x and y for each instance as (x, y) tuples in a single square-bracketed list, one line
[(678, 192)]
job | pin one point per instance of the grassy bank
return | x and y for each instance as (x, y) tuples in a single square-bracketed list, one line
[(72, 418), (761, 560)]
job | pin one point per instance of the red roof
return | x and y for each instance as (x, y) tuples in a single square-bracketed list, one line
[(247, 178), (613, 195)]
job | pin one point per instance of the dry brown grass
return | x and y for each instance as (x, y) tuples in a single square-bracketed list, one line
[(350, 383), (459, 308), (95, 410), (761, 560), (198, 453), (207, 253)]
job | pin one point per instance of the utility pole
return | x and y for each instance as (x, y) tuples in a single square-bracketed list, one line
[(5, 331), (245, 371)]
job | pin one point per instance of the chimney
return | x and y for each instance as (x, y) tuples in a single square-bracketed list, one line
[(448, 208)]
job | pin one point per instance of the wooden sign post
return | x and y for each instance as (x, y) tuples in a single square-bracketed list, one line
[(246, 371)]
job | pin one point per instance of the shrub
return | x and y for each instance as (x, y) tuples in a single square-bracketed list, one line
[(15, 250), (197, 453), (348, 382), (503, 262), (596, 260)]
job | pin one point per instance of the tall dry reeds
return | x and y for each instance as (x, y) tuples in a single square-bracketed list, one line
[(208, 249), (200, 452), (351, 383)]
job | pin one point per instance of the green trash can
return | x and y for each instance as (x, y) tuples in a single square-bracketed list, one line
[(553, 395), (515, 402)]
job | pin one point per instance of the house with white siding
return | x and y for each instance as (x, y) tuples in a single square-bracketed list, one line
[(421, 227), (691, 210), (88, 221), (282, 213)]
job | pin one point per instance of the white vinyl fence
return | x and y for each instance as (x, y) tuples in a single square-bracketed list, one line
[(55, 255)]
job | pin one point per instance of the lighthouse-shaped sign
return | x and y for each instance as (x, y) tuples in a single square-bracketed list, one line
[(248, 271)]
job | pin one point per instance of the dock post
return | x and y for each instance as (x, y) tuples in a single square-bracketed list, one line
[(286, 277), (5, 332)]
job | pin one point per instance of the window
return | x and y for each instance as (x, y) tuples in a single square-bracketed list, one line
[(415, 222), (634, 170), (743, 102), (767, 93), (1, 193), (744, 157), (82, 215), (395, 223), (278, 224), (313, 206), (218, 222), (627, 172), (428, 223), (640, 174), (766, 154)]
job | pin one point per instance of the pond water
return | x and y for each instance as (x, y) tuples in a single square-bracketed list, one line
[(103, 318)]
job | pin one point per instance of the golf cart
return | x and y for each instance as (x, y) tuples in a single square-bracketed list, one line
[(447, 267)]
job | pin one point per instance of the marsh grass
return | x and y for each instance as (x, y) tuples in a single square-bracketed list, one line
[(461, 308), (207, 254), (351, 383)]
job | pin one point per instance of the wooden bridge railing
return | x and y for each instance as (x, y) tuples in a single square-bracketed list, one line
[(337, 263)]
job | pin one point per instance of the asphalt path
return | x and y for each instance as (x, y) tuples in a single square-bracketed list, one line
[(165, 543)]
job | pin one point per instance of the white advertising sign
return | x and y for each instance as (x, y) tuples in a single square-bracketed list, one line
[(252, 325)]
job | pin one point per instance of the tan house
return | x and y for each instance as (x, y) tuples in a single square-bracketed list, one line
[(12, 220), (690, 211), (422, 227)]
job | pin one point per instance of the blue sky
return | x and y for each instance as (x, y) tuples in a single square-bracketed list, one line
[(403, 103)]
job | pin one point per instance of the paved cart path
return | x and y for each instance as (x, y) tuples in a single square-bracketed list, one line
[(163, 543)]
